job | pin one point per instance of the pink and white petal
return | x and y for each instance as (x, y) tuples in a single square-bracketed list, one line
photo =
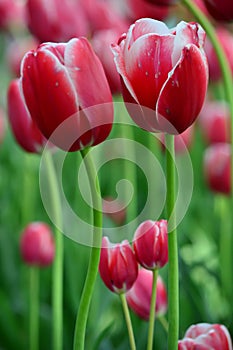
[(145, 26), (183, 94), (187, 33)]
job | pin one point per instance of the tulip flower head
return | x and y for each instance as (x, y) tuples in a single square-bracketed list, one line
[(139, 296), (164, 74), (150, 244), (118, 266), (37, 244), (217, 167), (67, 94), (207, 337)]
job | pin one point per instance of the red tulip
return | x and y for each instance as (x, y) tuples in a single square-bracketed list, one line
[(215, 122), (217, 167), (226, 40), (150, 244), (23, 127), (56, 20), (140, 8), (37, 244), (164, 74), (139, 296), (204, 336), (221, 10), (60, 82), (118, 266)]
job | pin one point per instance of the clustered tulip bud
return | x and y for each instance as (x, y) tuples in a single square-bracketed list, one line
[(164, 74), (207, 337), (23, 127), (217, 167), (67, 94), (37, 244), (150, 244), (139, 296), (118, 266)]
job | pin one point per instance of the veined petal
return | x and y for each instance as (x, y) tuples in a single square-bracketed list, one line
[(183, 93)]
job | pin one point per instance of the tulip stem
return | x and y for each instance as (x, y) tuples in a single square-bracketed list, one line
[(173, 268), (34, 308), (152, 311), (128, 321), (163, 322), (57, 286), (81, 320)]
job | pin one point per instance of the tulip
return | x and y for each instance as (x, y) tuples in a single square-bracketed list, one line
[(23, 127), (204, 336), (118, 266), (11, 14), (220, 10), (182, 141), (139, 296), (150, 244), (37, 244), (140, 8), (164, 74), (58, 20), (225, 38), (215, 122), (217, 167), (60, 82)]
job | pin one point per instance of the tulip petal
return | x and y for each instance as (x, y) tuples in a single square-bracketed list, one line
[(183, 93)]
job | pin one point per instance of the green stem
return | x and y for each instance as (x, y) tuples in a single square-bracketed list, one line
[(57, 286), (34, 308), (128, 321), (163, 322), (152, 311), (173, 269), (81, 321)]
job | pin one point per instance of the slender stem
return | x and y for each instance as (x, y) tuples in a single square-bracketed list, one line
[(152, 311), (173, 269), (34, 308), (128, 321), (57, 287), (163, 322), (81, 321)]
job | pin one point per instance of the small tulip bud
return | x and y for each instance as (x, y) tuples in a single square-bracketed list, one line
[(151, 244), (118, 266), (139, 296), (37, 244)]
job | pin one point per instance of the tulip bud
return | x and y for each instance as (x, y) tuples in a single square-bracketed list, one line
[(207, 337), (150, 244), (139, 296), (23, 127), (118, 266), (215, 122), (37, 244), (217, 167)]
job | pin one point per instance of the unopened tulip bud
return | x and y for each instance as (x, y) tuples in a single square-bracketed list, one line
[(37, 244), (118, 266), (139, 296), (150, 244)]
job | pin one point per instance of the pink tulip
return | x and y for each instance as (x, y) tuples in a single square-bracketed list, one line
[(118, 266), (37, 244), (204, 336), (225, 38), (220, 10), (162, 2), (60, 82), (56, 20), (217, 167), (215, 122), (23, 127), (164, 74), (139, 296), (11, 14), (150, 244)]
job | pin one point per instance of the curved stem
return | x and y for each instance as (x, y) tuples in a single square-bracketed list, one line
[(34, 308), (128, 321), (57, 287), (173, 269), (81, 321), (152, 311)]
